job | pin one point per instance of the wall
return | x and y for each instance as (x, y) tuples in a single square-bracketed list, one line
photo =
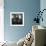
[(29, 7), (43, 6), (1, 21)]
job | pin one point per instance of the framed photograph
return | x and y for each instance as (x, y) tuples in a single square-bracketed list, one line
[(16, 18)]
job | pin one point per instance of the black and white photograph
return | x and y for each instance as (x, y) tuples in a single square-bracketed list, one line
[(17, 18)]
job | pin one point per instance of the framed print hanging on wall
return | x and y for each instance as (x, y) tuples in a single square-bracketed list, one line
[(16, 18)]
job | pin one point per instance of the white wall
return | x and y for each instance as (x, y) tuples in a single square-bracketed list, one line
[(1, 21)]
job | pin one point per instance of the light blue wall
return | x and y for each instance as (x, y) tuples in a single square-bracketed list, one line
[(43, 6), (29, 7)]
